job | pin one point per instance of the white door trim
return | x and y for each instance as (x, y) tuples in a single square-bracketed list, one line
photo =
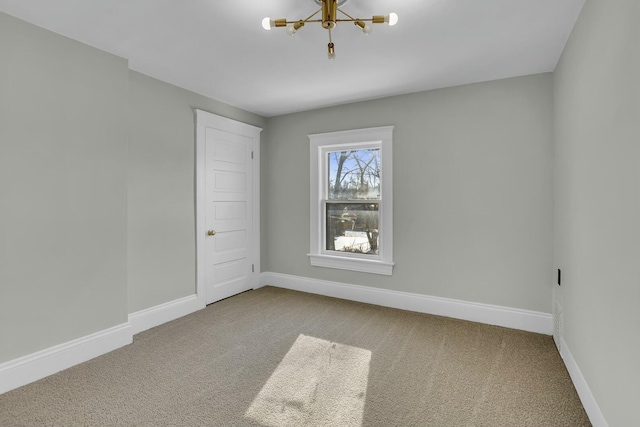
[(227, 125)]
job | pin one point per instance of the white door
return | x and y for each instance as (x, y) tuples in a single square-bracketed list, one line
[(227, 231)]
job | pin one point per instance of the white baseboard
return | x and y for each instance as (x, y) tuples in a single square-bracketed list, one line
[(24, 370), (588, 400), (163, 313), (515, 318)]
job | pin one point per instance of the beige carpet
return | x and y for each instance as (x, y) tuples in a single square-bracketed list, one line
[(274, 357)]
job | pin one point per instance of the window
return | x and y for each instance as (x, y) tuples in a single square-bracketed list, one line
[(352, 201)]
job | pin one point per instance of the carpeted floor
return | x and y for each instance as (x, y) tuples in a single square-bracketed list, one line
[(274, 357)]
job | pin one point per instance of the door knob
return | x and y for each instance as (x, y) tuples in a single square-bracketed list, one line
[(211, 232)]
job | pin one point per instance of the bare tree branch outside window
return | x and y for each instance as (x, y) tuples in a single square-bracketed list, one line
[(353, 201)]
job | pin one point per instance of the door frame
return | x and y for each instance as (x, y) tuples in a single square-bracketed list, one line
[(227, 125)]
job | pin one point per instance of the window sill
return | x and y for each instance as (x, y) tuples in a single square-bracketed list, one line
[(353, 264)]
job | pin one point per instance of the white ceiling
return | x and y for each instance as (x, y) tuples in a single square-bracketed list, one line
[(219, 49)]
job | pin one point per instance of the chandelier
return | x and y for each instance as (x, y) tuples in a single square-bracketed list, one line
[(329, 10)]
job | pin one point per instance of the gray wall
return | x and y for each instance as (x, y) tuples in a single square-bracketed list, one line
[(597, 202), (63, 194), (472, 191), (96, 189), (161, 202)]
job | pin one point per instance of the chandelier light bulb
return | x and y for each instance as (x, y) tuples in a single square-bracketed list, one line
[(366, 28), (331, 52), (269, 23), (292, 28), (391, 19)]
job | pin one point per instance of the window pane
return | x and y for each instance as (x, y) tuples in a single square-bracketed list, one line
[(352, 227), (354, 174)]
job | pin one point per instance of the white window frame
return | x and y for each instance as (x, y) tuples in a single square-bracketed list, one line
[(320, 145)]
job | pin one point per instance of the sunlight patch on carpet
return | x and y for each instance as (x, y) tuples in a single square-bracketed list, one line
[(317, 383)]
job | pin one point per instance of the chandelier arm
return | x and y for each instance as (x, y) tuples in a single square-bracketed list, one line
[(346, 14), (308, 19), (312, 15), (305, 21)]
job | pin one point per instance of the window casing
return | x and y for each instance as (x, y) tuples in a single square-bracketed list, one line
[(351, 204)]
